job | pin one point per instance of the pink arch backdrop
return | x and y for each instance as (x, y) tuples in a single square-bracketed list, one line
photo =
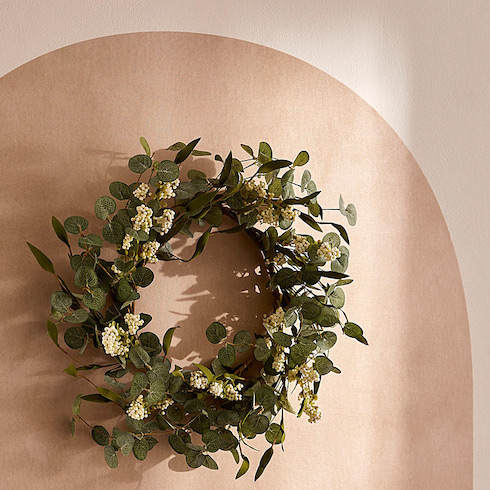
[(400, 414)]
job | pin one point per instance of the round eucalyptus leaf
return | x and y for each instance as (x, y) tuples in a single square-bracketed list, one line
[(110, 457), (213, 440), (242, 340), (337, 298), (75, 224), (167, 171), (61, 301), (113, 232), (89, 241), (94, 300), (275, 434), (143, 276), (120, 190), (140, 448), (326, 341), (78, 316), (216, 332), (177, 443), (323, 365), (100, 435), (261, 352), (86, 276), (104, 206), (75, 338), (140, 163), (150, 343), (227, 355)]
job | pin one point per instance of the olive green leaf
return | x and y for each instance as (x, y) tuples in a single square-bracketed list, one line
[(264, 461), (59, 230), (42, 260), (243, 468), (61, 301), (76, 404), (167, 339), (242, 340), (301, 159), (275, 434), (310, 221), (186, 151), (145, 146), (167, 171), (355, 331), (53, 332)]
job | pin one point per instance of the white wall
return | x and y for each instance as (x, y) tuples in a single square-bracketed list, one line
[(423, 65)]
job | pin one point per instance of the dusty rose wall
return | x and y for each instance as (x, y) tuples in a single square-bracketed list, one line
[(399, 416)]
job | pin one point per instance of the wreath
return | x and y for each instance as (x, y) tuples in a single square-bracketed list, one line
[(225, 405)]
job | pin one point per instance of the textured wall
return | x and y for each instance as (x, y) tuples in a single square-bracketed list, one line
[(400, 414)]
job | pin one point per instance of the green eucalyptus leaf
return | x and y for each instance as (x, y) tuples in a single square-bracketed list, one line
[(275, 434), (143, 276), (100, 435), (53, 332), (120, 190), (301, 159), (167, 339), (78, 316), (244, 467), (95, 299), (61, 301), (186, 151), (140, 448), (140, 163), (104, 207), (110, 457), (125, 441), (167, 171), (355, 331), (264, 461), (216, 332), (75, 224), (242, 340), (323, 365), (227, 355), (140, 381), (145, 146)]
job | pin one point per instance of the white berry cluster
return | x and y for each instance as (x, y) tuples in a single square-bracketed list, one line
[(149, 251), (279, 362), (309, 407), (308, 374), (142, 221), (268, 215), (165, 220), (167, 189), (301, 243), (278, 259), (289, 213), (138, 409), (133, 322), (162, 405), (199, 380), (260, 187), (327, 252), (141, 191), (274, 322), (116, 270), (126, 244), (115, 340), (220, 389)]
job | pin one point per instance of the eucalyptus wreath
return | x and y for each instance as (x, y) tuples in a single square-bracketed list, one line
[(225, 405)]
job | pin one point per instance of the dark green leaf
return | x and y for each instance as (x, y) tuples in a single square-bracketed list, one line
[(323, 365), (168, 171), (310, 221), (75, 224), (42, 260), (275, 434), (273, 165), (78, 316), (59, 230), (104, 206), (120, 190), (95, 398), (186, 151), (143, 276), (140, 163), (242, 340), (110, 457), (140, 381), (140, 448), (61, 301), (110, 395), (100, 435), (125, 441), (53, 332), (216, 332), (75, 338), (227, 355), (71, 370)]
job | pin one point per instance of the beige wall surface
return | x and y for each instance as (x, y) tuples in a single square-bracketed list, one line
[(400, 414)]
